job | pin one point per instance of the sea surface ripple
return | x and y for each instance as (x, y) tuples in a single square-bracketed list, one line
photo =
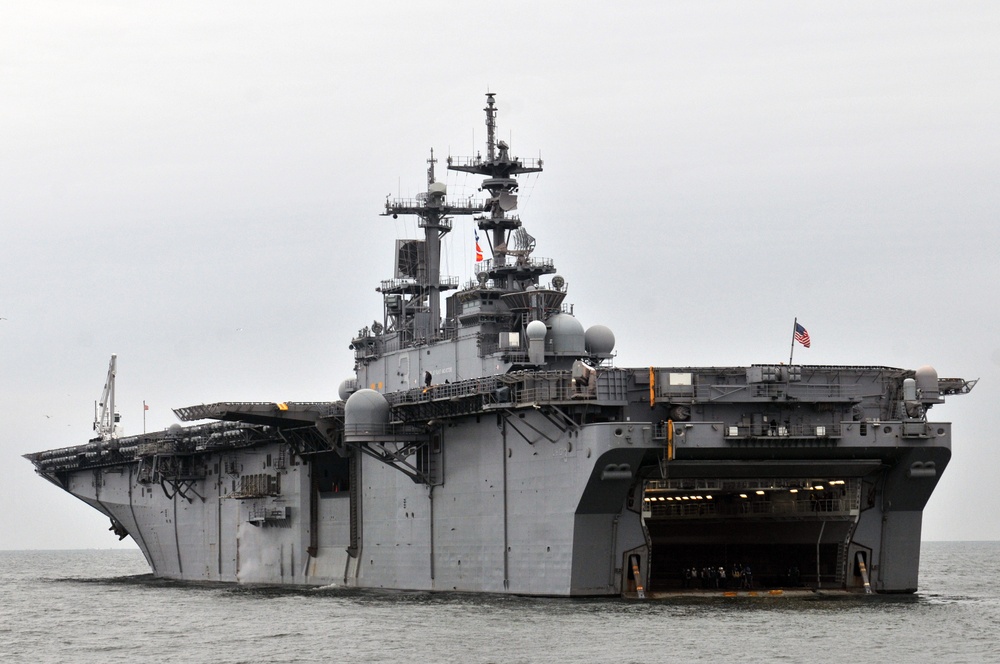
[(101, 606)]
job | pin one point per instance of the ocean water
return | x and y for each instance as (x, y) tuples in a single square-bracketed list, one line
[(104, 606)]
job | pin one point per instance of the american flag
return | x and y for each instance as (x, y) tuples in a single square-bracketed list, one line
[(479, 252), (801, 335)]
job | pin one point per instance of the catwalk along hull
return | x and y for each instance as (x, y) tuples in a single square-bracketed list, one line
[(493, 446)]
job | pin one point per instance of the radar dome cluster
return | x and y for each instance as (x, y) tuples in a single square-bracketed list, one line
[(564, 335)]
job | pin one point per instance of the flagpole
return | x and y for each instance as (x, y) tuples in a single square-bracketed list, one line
[(791, 353), (144, 409)]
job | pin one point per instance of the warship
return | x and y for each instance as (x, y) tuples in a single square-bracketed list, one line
[(494, 446)]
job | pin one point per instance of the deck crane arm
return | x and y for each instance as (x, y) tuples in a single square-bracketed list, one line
[(105, 417)]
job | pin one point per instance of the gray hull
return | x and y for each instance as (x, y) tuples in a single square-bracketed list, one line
[(501, 523), (519, 501)]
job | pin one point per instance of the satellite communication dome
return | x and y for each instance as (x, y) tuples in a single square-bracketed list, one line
[(347, 387), (927, 381), (366, 409), (536, 330), (600, 340), (566, 336)]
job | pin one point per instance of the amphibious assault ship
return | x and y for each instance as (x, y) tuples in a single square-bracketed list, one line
[(495, 447)]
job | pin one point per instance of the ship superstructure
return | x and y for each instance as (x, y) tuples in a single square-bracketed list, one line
[(495, 447)]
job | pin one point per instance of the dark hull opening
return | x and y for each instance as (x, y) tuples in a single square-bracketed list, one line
[(772, 565), (784, 534)]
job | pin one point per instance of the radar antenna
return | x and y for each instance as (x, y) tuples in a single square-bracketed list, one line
[(524, 244)]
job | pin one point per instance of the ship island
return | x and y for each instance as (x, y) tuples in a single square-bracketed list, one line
[(495, 447)]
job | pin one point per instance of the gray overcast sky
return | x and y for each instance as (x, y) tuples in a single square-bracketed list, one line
[(196, 187)]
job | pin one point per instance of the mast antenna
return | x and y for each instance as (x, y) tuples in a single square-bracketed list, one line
[(491, 127), (430, 168)]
